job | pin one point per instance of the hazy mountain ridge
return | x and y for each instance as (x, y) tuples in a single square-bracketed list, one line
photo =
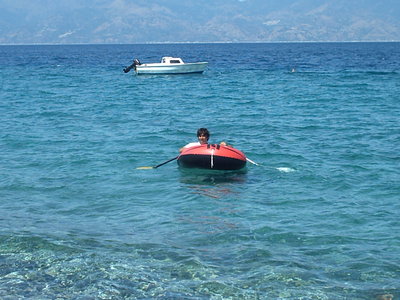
[(129, 21)]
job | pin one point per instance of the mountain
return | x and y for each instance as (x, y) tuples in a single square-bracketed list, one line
[(153, 21)]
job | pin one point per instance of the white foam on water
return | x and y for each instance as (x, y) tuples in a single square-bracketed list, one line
[(285, 169)]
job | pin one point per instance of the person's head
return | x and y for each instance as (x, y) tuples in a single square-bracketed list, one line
[(203, 135)]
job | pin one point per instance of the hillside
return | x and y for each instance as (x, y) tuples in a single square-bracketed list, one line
[(141, 21)]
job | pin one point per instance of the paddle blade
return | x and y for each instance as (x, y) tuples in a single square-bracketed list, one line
[(155, 167)]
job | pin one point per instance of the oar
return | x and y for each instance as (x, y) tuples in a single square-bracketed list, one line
[(280, 169), (250, 161), (155, 167)]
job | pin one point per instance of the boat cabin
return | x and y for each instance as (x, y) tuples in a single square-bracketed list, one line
[(171, 60)]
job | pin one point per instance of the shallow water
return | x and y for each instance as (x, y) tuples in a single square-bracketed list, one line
[(316, 220)]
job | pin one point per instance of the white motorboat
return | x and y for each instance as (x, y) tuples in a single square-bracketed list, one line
[(168, 65)]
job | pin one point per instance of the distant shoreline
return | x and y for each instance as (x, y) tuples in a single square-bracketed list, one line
[(198, 43)]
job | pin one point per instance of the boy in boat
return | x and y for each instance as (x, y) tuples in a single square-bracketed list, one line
[(202, 135)]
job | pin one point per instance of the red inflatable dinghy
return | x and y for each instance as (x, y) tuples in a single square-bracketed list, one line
[(212, 156)]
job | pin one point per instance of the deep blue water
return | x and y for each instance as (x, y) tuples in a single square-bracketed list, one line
[(318, 219)]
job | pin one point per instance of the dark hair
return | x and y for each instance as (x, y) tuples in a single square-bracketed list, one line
[(203, 131)]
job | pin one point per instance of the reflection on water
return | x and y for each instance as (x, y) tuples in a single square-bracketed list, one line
[(211, 177), (214, 210), (212, 183)]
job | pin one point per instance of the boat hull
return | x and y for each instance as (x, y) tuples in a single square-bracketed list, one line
[(186, 68), (214, 157)]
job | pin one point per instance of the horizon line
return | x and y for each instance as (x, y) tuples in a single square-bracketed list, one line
[(198, 42)]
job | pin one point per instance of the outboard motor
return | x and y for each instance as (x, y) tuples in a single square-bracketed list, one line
[(135, 63)]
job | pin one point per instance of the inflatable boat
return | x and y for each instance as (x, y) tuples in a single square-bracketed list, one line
[(211, 156)]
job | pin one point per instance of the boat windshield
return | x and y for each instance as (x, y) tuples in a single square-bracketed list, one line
[(171, 60)]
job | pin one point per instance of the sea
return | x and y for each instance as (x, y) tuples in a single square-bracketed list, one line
[(316, 218)]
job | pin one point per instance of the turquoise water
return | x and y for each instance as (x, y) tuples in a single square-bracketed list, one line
[(318, 219)]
